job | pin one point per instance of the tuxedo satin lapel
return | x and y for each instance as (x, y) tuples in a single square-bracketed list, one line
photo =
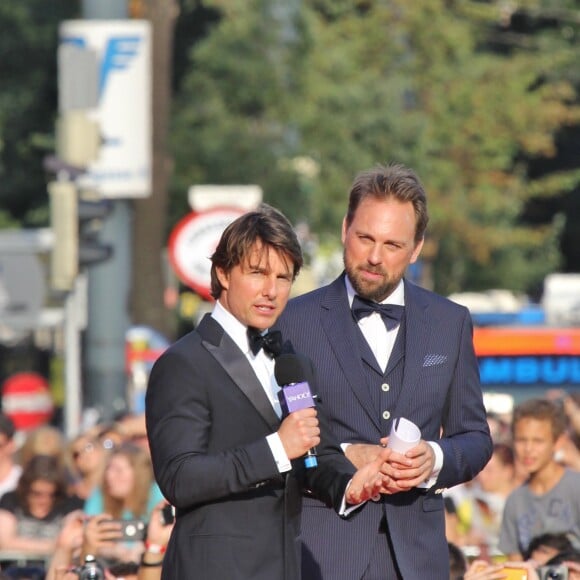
[(341, 329), (232, 360)]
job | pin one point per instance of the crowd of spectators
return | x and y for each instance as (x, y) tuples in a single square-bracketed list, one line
[(90, 501), (522, 511), (66, 503)]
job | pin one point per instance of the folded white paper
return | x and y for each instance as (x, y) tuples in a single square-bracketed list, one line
[(404, 435)]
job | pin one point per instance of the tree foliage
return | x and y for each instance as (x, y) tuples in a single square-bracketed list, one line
[(28, 99), (480, 97), (347, 84)]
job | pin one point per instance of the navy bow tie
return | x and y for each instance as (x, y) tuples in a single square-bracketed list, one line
[(271, 342), (390, 313)]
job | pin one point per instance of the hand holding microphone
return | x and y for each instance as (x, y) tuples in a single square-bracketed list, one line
[(299, 431)]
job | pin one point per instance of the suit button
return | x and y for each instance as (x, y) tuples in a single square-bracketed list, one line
[(386, 415), (385, 387)]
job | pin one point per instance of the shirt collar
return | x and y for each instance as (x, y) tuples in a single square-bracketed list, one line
[(234, 328), (397, 296)]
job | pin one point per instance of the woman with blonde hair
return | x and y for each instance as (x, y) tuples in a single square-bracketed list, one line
[(128, 489)]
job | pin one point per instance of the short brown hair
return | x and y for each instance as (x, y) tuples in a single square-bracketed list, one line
[(265, 224), (504, 454), (46, 468), (542, 410), (385, 181)]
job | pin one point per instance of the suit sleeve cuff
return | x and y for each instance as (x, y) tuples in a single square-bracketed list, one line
[(280, 457), (436, 468), (347, 509)]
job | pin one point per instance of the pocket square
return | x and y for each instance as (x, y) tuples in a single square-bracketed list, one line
[(432, 360)]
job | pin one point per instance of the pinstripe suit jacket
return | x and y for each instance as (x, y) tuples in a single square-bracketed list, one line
[(441, 393)]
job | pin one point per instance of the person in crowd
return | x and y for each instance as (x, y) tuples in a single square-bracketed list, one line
[(484, 570), (568, 452), (549, 501), (31, 516), (158, 535), (544, 547), (67, 546), (569, 560), (43, 440), (10, 470), (133, 428), (457, 562), (229, 462), (571, 402), (111, 435), (126, 428), (86, 462), (128, 492), (481, 511), (461, 569), (128, 489), (499, 428), (452, 525), (96, 535), (457, 520), (383, 349)]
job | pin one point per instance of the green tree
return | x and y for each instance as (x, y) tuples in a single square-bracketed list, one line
[(28, 98), (231, 122), (377, 81)]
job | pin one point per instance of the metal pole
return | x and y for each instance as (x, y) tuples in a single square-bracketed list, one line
[(104, 9), (105, 377), (108, 296), (74, 321)]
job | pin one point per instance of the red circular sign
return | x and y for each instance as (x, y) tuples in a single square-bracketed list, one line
[(193, 241), (26, 399)]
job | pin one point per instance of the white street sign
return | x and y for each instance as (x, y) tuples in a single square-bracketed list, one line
[(121, 52)]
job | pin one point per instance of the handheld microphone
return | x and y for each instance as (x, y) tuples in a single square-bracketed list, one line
[(291, 374)]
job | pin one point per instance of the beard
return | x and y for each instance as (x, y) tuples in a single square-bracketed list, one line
[(375, 291)]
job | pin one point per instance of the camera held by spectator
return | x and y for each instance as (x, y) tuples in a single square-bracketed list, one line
[(554, 572), (91, 569)]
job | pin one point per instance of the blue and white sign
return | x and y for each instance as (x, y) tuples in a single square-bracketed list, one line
[(106, 70), (517, 371)]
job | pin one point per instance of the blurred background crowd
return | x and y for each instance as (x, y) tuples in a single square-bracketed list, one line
[(535, 449), (94, 495), (63, 499)]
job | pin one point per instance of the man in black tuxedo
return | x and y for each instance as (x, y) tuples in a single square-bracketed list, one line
[(384, 348), (221, 453)]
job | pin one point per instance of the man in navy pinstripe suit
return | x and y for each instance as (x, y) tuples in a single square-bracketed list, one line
[(413, 359)]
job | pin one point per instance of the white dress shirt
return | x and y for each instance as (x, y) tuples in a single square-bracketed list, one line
[(263, 366), (373, 328)]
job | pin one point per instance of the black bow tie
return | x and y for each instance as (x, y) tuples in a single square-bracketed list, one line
[(390, 313), (271, 342)]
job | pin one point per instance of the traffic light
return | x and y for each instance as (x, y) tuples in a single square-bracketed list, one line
[(91, 215), (63, 221), (76, 225), (78, 139)]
